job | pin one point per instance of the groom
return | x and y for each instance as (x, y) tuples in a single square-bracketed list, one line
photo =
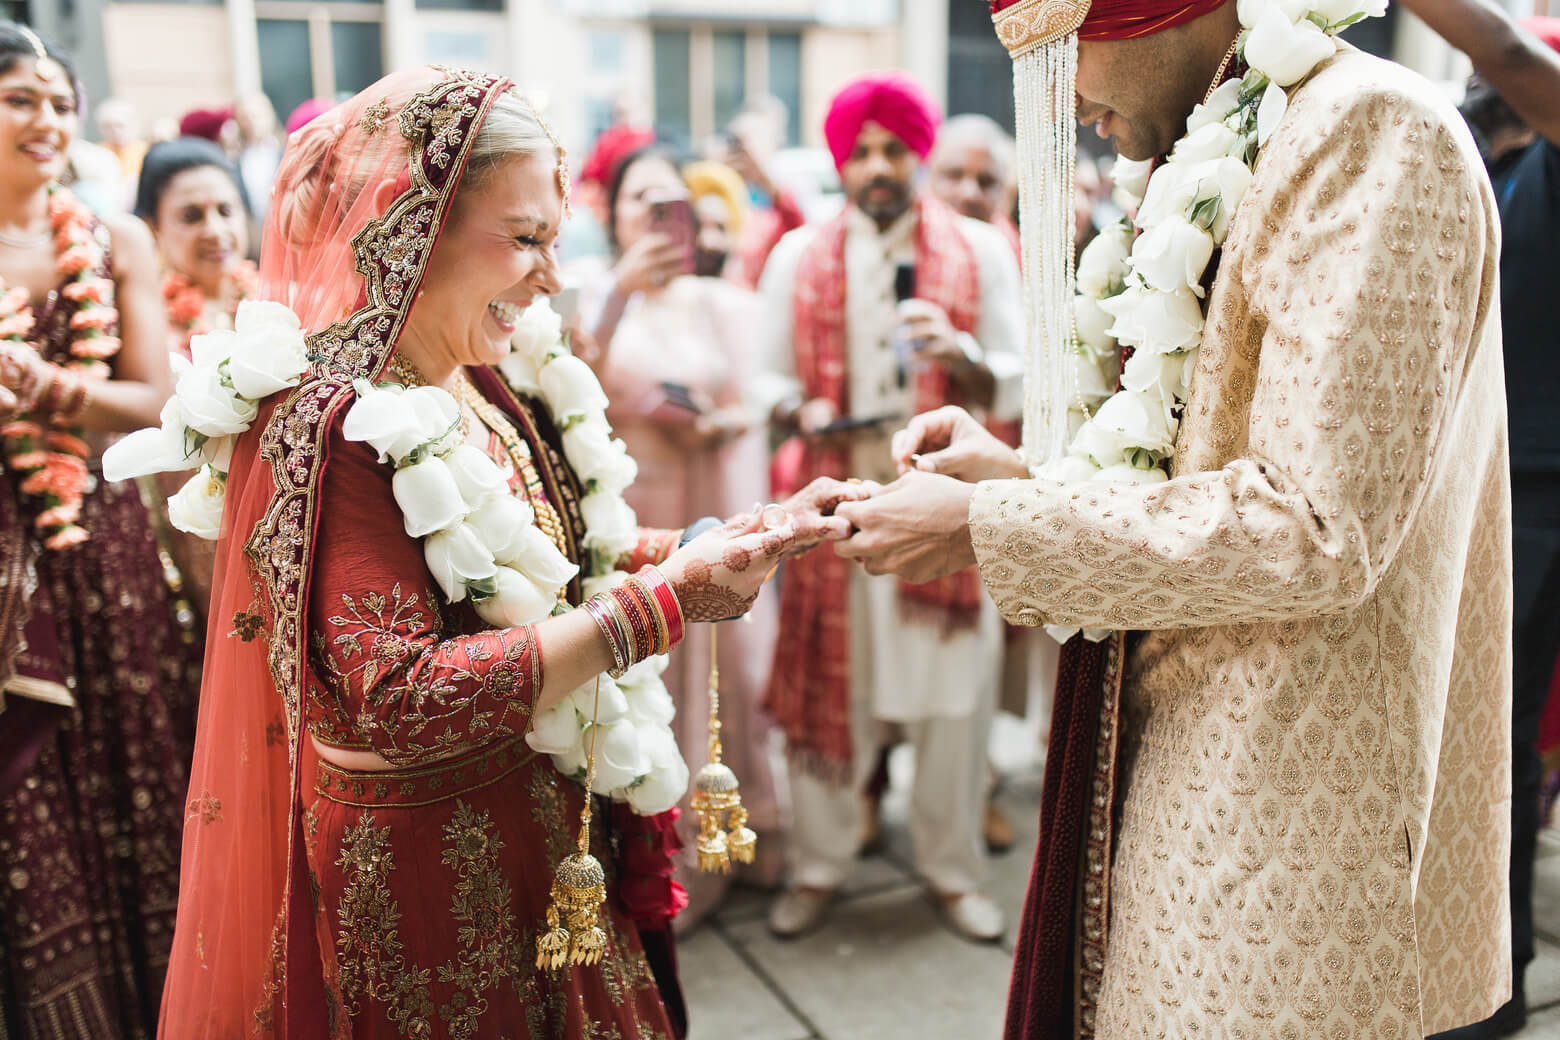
[(1285, 772)]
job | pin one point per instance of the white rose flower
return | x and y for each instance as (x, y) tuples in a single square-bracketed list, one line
[(1159, 374), (521, 372), (650, 702), (667, 781), (437, 416), (1335, 12), (1069, 469), (197, 508), (1226, 180), (208, 406), (380, 419), (499, 522), (476, 475), (1130, 177), (535, 554), (555, 730), (456, 556), (571, 763), (1249, 10), (1172, 256), (1126, 474), (611, 706), (1089, 379), (571, 388), (1270, 111), (518, 600), (1127, 423), (217, 452), (1092, 323), (265, 315), (1103, 262), (1157, 321), (1216, 108), (538, 332), (1213, 141), (608, 520), (269, 357), (1284, 49), (429, 498), (155, 449), (210, 349), (619, 758), (1170, 193), (598, 458)]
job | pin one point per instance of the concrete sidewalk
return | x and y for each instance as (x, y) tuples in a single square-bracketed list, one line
[(884, 967)]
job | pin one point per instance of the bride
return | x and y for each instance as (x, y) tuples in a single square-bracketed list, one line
[(425, 566)]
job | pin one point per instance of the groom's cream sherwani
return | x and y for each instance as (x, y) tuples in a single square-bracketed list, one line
[(1314, 754)]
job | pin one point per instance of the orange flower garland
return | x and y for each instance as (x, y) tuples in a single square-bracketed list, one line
[(187, 303), (47, 449)]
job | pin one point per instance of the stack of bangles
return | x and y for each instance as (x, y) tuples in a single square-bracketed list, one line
[(640, 618), (58, 394)]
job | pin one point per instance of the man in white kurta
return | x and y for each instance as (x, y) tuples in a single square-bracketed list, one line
[(907, 666)]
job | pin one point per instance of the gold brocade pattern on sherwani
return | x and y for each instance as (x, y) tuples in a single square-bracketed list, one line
[(1312, 836)]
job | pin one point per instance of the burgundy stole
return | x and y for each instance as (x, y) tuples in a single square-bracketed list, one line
[(809, 694)]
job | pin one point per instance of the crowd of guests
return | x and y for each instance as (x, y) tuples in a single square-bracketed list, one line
[(750, 337)]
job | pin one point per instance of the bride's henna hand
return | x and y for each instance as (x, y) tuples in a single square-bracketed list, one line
[(719, 574)]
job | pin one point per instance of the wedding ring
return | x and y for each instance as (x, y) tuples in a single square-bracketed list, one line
[(774, 516)]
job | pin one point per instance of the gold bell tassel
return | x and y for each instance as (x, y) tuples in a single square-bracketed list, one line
[(716, 794), (579, 887)]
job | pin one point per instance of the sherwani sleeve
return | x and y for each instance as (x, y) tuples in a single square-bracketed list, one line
[(1361, 278), (774, 372), (1000, 332), (392, 675)]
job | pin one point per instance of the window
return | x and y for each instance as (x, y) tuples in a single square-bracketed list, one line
[(358, 52), (285, 75), (730, 68), (785, 79), (673, 95)]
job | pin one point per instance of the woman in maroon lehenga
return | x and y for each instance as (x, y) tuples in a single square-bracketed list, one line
[(372, 836), (97, 675)]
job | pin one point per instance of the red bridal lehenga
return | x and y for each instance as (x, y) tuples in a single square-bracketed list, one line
[(325, 902), (91, 797)]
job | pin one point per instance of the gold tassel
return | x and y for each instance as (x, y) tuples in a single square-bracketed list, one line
[(716, 793), (579, 887)]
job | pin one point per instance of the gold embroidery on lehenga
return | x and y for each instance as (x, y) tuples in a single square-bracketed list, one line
[(371, 958), (207, 808), (549, 809), (247, 624)]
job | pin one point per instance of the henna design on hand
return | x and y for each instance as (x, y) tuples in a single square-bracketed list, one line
[(702, 599), (736, 558)]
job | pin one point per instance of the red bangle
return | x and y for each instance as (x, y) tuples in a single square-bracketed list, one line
[(666, 601)]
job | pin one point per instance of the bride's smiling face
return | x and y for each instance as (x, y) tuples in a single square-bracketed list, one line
[(498, 252)]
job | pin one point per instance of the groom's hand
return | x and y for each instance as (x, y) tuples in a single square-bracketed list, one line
[(917, 527), (950, 441)]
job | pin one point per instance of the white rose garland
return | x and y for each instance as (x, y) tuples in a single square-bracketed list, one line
[(1139, 282)]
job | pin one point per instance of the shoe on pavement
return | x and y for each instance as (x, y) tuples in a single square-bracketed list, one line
[(797, 911), (973, 916), (997, 829)]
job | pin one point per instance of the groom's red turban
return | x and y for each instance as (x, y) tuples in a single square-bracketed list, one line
[(1127, 19), (891, 99)]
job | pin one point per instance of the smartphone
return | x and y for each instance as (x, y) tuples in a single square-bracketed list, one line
[(904, 350), (672, 215), (848, 424), (679, 396)]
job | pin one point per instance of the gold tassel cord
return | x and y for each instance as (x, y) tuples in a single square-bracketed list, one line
[(716, 794), (579, 888)]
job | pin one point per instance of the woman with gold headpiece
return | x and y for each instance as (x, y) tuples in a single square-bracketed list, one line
[(97, 677), (422, 577)]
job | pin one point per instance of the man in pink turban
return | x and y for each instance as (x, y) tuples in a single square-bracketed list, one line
[(896, 306)]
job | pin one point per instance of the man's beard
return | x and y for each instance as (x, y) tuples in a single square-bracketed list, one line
[(887, 208)]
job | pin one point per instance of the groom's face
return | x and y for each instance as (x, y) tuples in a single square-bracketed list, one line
[(1139, 92)]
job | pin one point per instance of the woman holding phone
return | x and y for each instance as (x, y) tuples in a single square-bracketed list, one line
[(669, 353)]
